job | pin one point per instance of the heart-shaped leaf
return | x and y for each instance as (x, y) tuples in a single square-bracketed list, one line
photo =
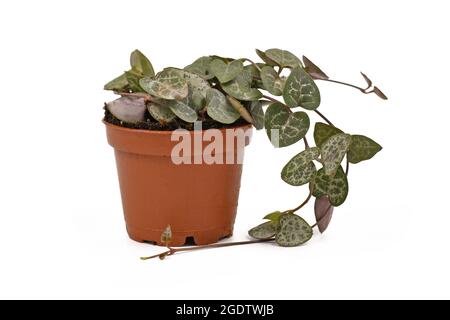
[(265, 58), (161, 113), (257, 113), (265, 230), (379, 93), (133, 81), (333, 151), (128, 109), (362, 148), (226, 71), (182, 111), (322, 132), (201, 66), (301, 90), (118, 84), (294, 231), (283, 58), (335, 187), (240, 88), (300, 169), (168, 85), (241, 109), (284, 128), (219, 108), (271, 81), (141, 64), (323, 210)]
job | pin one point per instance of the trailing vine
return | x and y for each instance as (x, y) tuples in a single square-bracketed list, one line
[(227, 89)]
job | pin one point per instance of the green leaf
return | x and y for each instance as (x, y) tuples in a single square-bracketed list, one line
[(161, 113), (294, 231), (284, 128), (265, 230), (201, 66), (141, 64), (314, 71), (198, 88), (241, 109), (333, 151), (133, 81), (274, 217), (226, 71), (240, 88), (182, 110), (322, 132), (335, 187), (323, 211), (271, 81), (219, 108), (118, 84), (301, 90), (301, 169), (362, 148), (257, 113), (265, 58), (168, 85), (128, 109), (283, 58)]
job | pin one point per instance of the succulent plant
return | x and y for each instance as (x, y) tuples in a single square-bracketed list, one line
[(225, 90)]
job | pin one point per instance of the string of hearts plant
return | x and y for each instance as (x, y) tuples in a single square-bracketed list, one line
[(225, 90)]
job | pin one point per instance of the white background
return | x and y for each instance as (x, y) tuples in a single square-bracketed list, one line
[(62, 232)]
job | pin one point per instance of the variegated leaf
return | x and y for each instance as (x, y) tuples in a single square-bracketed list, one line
[(284, 128), (333, 151), (301, 169), (257, 113), (161, 113), (226, 71), (322, 132), (201, 66), (336, 187), (168, 84), (283, 58), (128, 109), (240, 88), (133, 81), (265, 58), (118, 84), (301, 90), (265, 230), (362, 148), (141, 64), (219, 108), (182, 111), (272, 81), (294, 231)]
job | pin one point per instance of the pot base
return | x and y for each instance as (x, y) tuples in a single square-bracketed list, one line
[(179, 239)]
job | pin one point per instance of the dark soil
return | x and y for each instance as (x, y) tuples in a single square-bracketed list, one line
[(152, 124)]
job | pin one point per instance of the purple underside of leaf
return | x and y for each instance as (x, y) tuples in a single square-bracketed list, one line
[(323, 210), (128, 109)]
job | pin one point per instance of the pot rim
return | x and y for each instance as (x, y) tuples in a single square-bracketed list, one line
[(168, 132)]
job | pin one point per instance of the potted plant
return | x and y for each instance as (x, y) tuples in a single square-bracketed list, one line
[(179, 137)]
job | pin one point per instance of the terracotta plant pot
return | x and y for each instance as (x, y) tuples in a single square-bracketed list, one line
[(198, 201)]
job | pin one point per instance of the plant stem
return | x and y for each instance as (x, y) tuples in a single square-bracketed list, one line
[(279, 70), (303, 203), (306, 143), (278, 101), (172, 251), (254, 64), (345, 84), (323, 117)]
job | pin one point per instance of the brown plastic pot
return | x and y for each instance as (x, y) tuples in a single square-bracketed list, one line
[(198, 201)]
